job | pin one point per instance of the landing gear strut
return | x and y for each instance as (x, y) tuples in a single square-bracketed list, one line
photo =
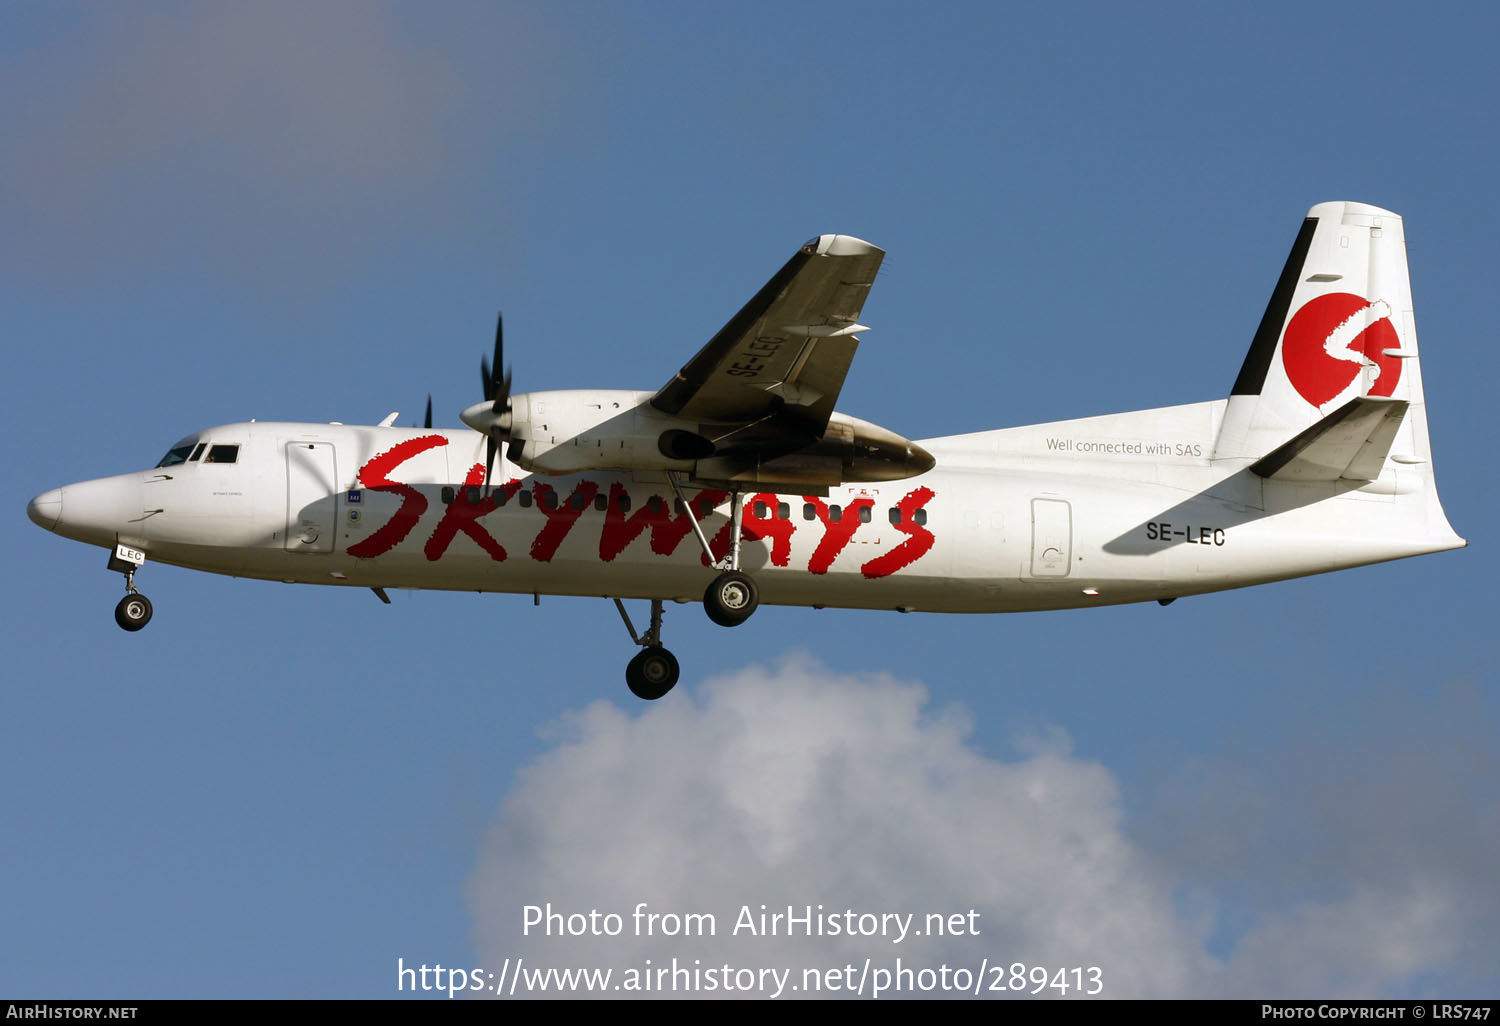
[(654, 671), (732, 596), (134, 610)]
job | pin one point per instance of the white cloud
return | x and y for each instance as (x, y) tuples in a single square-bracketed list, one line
[(1358, 946), (797, 785)]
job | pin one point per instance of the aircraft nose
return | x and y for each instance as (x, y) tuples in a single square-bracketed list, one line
[(46, 509)]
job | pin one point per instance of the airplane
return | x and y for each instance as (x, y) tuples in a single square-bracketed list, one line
[(737, 482)]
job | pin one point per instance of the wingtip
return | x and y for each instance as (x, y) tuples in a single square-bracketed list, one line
[(840, 245)]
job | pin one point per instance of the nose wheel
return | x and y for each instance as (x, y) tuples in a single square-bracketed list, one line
[(134, 610)]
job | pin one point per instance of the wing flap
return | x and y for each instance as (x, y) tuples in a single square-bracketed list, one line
[(1351, 443)]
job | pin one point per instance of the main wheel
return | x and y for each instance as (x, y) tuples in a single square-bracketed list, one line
[(731, 598), (652, 673), (133, 612)]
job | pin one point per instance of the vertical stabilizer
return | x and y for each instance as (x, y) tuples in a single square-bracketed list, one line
[(1332, 386), (1339, 326)]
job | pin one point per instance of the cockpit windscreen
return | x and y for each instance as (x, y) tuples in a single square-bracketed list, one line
[(177, 454)]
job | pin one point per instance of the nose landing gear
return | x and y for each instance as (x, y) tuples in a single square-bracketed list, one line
[(134, 610)]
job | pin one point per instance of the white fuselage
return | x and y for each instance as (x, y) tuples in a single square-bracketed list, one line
[(1121, 508)]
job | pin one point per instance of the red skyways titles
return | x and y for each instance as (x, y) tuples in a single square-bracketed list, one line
[(413, 503), (666, 527), (915, 547), (463, 514)]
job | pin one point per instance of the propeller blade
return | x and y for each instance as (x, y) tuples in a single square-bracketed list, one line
[(500, 390), (499, 340), (495, 378), (427, 421)]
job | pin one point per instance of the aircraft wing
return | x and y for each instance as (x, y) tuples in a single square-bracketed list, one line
[(788, 350)]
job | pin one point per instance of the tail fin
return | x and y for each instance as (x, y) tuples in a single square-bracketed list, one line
[(1339, 326), (1332, 386)]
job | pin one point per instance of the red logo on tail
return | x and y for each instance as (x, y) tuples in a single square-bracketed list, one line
[(1332, 339)]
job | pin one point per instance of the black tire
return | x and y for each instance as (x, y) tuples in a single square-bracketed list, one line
[(133, 612), (731, 598), (652, 673)]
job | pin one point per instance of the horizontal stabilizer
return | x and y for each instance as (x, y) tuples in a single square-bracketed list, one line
[(1350, 443)]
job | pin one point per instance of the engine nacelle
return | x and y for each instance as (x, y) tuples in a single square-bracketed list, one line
[(849, 450), (567, 432), (875, 453)]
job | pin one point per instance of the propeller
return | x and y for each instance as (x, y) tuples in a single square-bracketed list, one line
[(427, 420), (497, 392)]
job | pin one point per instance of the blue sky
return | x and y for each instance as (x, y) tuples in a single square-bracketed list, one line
[(211, 212)]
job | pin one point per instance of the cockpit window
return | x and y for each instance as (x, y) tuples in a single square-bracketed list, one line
[(222, 454), (176, 456), (198, 451)]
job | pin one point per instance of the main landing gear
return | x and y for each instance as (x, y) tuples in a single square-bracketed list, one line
[(654, 671), (732, 596), (729, 600)]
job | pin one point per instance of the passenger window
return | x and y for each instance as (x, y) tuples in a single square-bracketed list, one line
[(222, 454), (577, 501), (761, 510), (624, 503), (809, 511), (920, 516), (525, 499), (835, 513), (864, 514), (601, 502), (783, 511), (549, 499), (895, 515)]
